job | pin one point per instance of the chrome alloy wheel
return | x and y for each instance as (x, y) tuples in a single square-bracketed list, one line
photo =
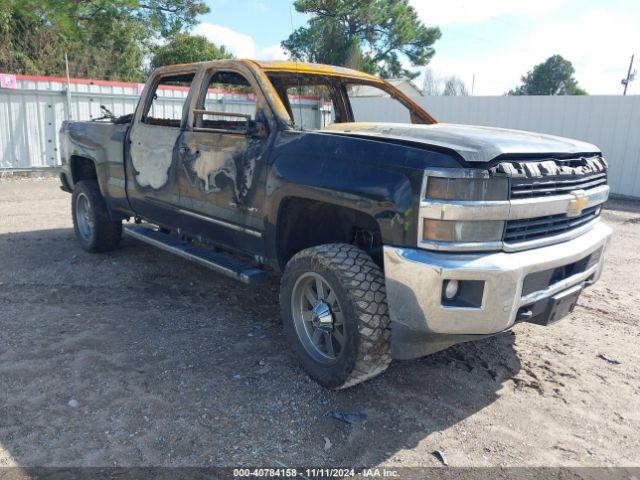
[(317, 317), (84, 217)]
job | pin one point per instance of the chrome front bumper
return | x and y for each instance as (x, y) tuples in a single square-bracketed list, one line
[(414, 279)]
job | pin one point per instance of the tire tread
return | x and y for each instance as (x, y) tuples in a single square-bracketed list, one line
[(365, 285), (108, 231)]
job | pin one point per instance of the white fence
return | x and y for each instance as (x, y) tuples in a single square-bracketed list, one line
[(31, 115)]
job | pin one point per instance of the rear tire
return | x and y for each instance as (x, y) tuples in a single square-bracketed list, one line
[(338, 290), (94, 228)]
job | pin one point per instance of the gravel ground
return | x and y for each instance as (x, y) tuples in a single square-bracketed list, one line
[(137, 357)]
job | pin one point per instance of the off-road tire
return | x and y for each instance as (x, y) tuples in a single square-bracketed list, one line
[(359, 285), (106, 232)]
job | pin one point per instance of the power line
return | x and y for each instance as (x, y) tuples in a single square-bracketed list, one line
[(511, 24)]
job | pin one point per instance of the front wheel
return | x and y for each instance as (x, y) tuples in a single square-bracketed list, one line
[(94, 228), (334, 310)]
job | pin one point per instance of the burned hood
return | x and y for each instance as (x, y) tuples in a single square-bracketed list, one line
[(472, 143)]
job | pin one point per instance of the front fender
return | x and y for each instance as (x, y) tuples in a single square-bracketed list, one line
[(385, 196), (379, 179)]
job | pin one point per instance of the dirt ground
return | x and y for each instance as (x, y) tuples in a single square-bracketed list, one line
[(137, 357)]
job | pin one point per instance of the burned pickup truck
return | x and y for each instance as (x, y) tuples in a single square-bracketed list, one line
[(393, 240)]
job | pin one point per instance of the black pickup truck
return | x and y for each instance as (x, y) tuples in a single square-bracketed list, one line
[(394, 240)]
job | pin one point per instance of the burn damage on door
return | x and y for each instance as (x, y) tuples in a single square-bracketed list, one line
[(226, 162), (151, 158)]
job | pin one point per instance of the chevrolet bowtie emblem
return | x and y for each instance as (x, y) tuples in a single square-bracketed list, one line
[(577, 203)]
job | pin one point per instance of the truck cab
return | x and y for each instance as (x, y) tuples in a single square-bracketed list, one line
[(391, 239)]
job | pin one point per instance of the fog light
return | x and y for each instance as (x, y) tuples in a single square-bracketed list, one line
[(462, 293), (450, 289)]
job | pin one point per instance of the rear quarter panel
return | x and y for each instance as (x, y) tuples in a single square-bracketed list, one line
[(102, 143)]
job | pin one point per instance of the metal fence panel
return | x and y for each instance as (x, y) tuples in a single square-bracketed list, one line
[(29, 121)]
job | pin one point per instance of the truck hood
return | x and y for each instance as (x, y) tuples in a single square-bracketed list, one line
[(472, 143)]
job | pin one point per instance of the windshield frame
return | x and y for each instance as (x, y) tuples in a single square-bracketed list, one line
[(282, 81)]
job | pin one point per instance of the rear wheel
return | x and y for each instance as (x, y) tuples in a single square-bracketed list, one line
[(335, 315), (94, 228)]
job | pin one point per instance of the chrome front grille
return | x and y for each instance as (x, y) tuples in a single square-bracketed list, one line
[(553, 177), (541, 227), (530, 188), (537, 180)]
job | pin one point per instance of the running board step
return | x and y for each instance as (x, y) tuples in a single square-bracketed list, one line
[(216, 261)]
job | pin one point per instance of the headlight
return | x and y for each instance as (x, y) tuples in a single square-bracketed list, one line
[(479, 189), (457, 207)]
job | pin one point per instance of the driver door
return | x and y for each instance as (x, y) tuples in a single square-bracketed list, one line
[(221, 157)]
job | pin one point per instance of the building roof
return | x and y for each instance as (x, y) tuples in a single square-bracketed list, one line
[(406, 85)]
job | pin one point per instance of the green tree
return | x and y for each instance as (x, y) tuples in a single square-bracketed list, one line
[(370, 35), (186, 48), (552, 77), (103, 38)]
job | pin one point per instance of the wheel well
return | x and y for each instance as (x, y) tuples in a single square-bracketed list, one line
[(82, 168), (304, 223)]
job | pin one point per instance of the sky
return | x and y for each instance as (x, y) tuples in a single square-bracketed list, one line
[(495, 41)]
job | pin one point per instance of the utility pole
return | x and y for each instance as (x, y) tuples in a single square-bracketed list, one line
[(68, 91), (473, 83), (630, 76)]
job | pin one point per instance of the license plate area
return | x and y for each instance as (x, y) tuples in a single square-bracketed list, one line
[(550, 310), (562, 304)]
